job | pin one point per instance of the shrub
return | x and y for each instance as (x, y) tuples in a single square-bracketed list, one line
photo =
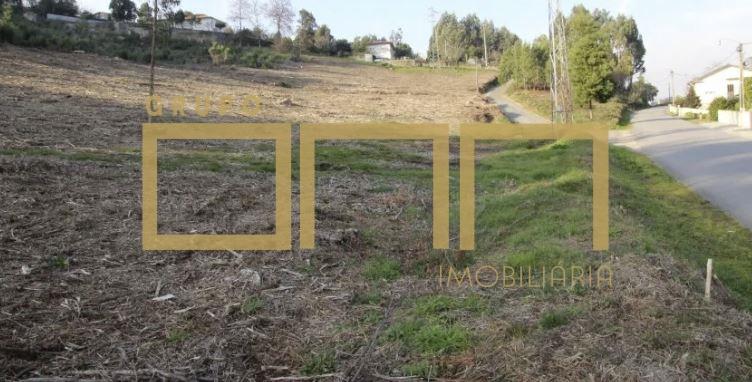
[(219, 53), (722, 103), (260, 58)]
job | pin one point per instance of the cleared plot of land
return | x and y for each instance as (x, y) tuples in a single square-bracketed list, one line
[(76, 297)]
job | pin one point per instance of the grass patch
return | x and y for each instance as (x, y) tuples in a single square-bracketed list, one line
[(251, 305), (214, 162), (555, 318), (59, 262), (534, 207), (381, 268), (614, 113), (319, 363), (177, 335)]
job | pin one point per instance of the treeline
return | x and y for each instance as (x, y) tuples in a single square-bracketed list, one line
[(455, 41), (605, 55)]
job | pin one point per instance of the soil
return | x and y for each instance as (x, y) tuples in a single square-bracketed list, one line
[(80, 299)]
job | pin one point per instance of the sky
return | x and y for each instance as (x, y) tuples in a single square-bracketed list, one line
[(688, 36)]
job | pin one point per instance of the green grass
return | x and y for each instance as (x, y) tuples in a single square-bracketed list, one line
[(177, 335), (251, 305), (319, 363), (381, 268), (213, 162), (613, 113), (533, 208), (555, 318), (433, 326)]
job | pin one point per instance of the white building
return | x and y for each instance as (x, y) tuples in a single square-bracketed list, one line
[(381, 50), (722, 81), (200, 22)]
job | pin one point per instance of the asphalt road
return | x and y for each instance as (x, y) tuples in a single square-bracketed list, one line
[(513, 110), (714, 162)]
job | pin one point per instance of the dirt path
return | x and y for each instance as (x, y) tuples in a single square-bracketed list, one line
[(513, 110)]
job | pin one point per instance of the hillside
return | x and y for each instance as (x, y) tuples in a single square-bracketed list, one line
[(77, 297)]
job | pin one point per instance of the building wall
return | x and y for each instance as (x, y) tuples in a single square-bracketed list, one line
[(206, 24), (381, 51), (716, 85)]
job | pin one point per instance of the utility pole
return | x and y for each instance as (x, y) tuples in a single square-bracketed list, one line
[(740, 49), (673, 89)]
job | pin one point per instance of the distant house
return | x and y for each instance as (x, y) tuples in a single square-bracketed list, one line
[(380, 50), (200, 22), (104, 16), (722, 81)]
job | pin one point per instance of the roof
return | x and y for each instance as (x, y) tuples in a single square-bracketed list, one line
[(718, 69), (380, 42)]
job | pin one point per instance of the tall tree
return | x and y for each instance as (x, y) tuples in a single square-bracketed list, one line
[(281, 14), (591, 67), (123, 10), (306, 32), (239, 11), (323, 39), (58, 7)]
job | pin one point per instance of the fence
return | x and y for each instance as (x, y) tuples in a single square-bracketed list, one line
[(683, 111), (736, 118)]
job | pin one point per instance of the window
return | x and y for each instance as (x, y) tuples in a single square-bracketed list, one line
[(730, 91)]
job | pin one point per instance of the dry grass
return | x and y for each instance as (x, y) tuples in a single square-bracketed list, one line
[(76, 292)]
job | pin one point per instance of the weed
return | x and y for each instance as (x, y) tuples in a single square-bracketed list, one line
[(381, 268), (252, 305), (177, 335), (60, 262), (320, 363), (555, 318)]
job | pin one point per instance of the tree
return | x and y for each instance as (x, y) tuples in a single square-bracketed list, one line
[(341, 47), (306, 32), (255, 11), (591, 68), (396, 37), (179, 17), (590, 58), (281, 14), (360, 43), (323, 39), (642, 93), (691, 100), (58, 7), (239, 10), (144, 13), (449, 39), (123, 10), (403, 50)]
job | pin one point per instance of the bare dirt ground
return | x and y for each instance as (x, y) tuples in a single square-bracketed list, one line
[(77, 292)]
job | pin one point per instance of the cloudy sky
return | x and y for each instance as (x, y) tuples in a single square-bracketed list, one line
[(679, 35)]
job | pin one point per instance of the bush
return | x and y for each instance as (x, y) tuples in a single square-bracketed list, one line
[(722, 103), (219, 53), (260, 58)]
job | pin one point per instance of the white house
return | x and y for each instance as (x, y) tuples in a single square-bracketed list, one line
[(381, 50), (722, 81), (200, 22)]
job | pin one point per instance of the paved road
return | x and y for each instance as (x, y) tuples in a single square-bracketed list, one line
[(513, 110), (715, 162)]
